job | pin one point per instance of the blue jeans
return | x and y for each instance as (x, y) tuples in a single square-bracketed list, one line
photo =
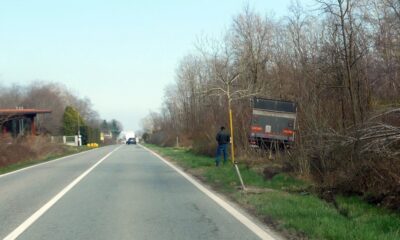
[(221, 148)]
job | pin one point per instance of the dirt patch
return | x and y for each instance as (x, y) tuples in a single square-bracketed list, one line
[(270, 172), (198, 173), (256, 190)]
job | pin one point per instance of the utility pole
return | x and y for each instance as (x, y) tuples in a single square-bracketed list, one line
[(232, 137)]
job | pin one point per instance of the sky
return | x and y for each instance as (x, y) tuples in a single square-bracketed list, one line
[(120, 54)]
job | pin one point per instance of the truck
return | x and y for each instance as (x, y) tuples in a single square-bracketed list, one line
[(272, 122)]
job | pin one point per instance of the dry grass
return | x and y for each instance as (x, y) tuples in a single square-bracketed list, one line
[(363, 161), (28, 148)]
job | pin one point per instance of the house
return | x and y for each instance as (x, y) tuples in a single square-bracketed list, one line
[(20, 121)]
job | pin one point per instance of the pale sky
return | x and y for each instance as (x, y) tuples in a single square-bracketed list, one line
[(121, 54)]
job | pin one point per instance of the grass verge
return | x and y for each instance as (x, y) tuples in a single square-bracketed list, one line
[(286, 204), (29, 162)]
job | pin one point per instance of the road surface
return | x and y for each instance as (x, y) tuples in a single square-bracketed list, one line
[(114, 192)]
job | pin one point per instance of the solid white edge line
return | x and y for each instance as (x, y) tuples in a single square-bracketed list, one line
[(235, 213), (28, 222), (44, 163)]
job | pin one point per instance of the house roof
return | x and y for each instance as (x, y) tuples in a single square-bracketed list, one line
[(5, 111)]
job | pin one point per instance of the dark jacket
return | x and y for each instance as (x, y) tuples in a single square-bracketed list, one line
[(222, 137)]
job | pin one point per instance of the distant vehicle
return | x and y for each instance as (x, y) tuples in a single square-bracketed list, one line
[(273, 121), (131, 141), (128, 134)]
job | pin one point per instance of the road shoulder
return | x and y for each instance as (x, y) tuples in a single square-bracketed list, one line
[(251, 222)]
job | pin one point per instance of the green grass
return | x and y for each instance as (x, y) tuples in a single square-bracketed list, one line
[(185, 158), (319, 220), (288, 207), (30, 162)]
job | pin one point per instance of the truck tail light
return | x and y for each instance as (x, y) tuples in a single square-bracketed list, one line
[(288, 131), (256, 129)]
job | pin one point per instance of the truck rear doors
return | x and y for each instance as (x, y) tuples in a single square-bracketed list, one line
[(272, 120)]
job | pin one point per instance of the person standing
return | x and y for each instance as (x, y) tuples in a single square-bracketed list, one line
[(223, 138)]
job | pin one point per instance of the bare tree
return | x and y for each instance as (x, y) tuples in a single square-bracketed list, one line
[(341, 65)]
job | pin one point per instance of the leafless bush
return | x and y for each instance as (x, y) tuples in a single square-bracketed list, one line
[(363, 160), (27, 148)]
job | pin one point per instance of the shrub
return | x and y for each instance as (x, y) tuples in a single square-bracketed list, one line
[(27, 148)]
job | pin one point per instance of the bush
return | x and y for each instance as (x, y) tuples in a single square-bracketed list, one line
[(204, 146), (365, 161), (27, 148)]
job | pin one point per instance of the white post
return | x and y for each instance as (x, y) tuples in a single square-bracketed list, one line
[(79, 131)]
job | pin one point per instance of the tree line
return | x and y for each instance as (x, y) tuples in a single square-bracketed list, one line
[(70, 112), (339, 60)]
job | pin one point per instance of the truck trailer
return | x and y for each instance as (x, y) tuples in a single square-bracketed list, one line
[(272, 122)]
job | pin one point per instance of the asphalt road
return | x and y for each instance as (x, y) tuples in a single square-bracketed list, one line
[(130, 194)]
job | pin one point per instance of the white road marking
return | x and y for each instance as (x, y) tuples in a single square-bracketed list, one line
[(28, 222), (44, 163), (235, 213)]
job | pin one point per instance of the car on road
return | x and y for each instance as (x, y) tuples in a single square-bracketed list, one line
[(131, 141)]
